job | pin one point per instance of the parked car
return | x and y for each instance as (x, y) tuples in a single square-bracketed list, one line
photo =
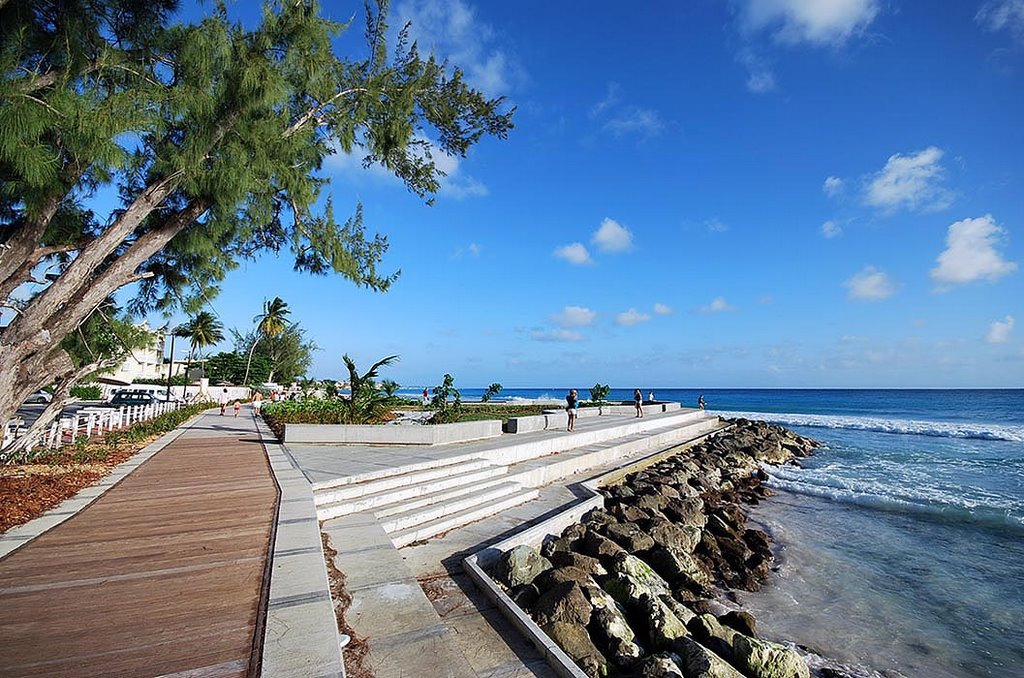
[(158, 392), (127, 397), (39, 397)]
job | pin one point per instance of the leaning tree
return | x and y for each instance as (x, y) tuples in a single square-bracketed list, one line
[(213, 136)]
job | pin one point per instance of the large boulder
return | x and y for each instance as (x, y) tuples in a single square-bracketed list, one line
[(764, 659), (679, 567), (575, 642), (660, 666), (632, 579), (663, 626), (520, 565), (563, 602), (689, 511), (699, 662), (588, 564), (671, 536), (609, 628), (548, 579), (601, 547), (629, 536)]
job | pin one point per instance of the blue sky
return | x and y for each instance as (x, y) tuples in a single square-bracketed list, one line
[(723, 194)]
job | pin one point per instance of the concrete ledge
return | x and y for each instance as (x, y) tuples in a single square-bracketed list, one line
[(476, 565), (557, 417), (300, 637), (437, 434)]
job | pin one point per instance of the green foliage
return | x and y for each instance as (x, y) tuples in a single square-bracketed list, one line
[(202, 330), (389, 387), (87, 392), (230, 367), (288, 355), (176, 380), (105, 339), (446, 412), (474, 412), (492, 390), (214, 135), (367, 404), (143, 430), (599, 393)]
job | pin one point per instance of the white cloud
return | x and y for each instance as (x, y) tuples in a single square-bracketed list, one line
[(575, 316), (760, 78), (716, 225), (575, 253), (612, 236), (611, 100), (833, 186), (999, 332), (642, 122), (717, 305), (556, 335), (971, 254), (450, 29), (831, 229), (818, 22), (911, 181), (1000, 15), (631, 317), (870, 285), (472, 249), (452, 184), (662, 309)]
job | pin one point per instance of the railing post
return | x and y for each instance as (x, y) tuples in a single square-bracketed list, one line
[(74, 427)]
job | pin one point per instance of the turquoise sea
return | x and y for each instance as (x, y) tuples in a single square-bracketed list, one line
[(902, 539)]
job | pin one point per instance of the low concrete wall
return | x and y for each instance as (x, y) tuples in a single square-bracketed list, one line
[(427, 434), (558, 418)]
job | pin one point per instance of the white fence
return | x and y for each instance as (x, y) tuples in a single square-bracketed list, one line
[(86, 423)]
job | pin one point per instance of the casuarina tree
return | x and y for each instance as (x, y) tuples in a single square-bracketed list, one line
[(213, 135)]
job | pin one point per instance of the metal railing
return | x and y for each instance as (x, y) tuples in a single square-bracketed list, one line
[(86, 423)]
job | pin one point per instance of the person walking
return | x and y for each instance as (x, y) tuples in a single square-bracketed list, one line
[(700, 402), (223, 401), (237, 407), (257, 403), (638, 401), (426, 397), (572, 404)]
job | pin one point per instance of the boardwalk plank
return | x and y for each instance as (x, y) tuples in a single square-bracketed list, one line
[(161, 575)]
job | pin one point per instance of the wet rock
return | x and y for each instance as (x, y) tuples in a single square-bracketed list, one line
[(684, 613), (563, 602), (699, 662), (763, 659), (575, 642), (520, 565), (598, 517), (713, 635), (740, 620), (639, 576), (689, 511)]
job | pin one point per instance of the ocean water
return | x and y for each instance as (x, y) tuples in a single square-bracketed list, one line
[(901, 540)]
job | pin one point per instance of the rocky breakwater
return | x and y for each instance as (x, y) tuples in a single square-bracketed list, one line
[(637, 589)]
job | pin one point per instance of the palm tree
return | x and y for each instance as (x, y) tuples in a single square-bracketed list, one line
[(202, 330), (367, 404), (271, 323)]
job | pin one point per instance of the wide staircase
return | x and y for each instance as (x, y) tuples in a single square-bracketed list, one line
[(416, 502)]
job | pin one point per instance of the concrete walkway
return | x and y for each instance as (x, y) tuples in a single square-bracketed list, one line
[(164, 574)]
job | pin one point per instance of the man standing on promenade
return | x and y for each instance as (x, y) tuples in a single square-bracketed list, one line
[(572, 403), (257, 402), (638, 401), (223, 401)]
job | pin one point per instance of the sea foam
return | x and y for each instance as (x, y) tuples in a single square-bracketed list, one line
[(940, 429)]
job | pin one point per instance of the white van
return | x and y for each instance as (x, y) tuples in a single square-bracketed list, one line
[(159, 392)]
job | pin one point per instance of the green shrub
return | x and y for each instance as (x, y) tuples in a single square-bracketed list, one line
[(599, 393), (87, 392), (446, 412)]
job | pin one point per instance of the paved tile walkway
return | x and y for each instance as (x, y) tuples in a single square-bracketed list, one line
[(162, 575)]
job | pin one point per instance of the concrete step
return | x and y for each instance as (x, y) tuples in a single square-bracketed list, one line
[(391, 471), (546, 470), (407, 476), (363, 502), (404, 515), (450, 522)]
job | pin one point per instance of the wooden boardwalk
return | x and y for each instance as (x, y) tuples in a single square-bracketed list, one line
[(162, 575)]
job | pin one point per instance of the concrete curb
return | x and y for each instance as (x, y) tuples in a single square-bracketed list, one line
[(475, 566), (300, 636), (18, 536)]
